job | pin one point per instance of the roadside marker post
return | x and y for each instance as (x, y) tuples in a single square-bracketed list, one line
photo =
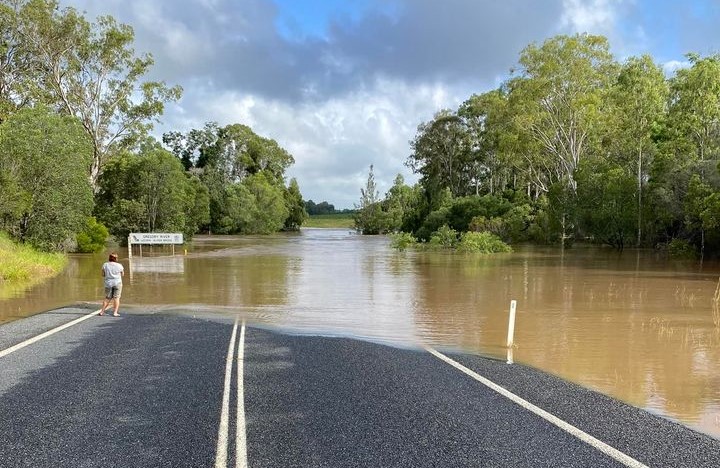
[(511, 324)]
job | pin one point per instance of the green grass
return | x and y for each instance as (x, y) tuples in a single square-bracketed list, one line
[(23, 264), (340, 220)]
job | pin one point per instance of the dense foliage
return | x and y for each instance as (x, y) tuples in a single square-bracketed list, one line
[(574, 145), (45, 193)]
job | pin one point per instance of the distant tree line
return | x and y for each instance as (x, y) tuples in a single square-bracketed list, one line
[(574, 145), (76, 158), (323, 208)]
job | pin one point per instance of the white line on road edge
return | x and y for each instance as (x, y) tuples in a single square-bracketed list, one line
[(240, 437), (12, 349), (222, 443), (584, 436)]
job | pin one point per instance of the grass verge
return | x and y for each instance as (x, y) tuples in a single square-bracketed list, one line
[(21, 263)]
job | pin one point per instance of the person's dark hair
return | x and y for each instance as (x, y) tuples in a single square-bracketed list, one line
[(113, 257)]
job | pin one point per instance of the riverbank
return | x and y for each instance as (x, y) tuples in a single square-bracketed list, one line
[(22, 266)]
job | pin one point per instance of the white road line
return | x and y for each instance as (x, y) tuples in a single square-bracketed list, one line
[(12, 349), (240, 436), (222, 443), (585, 437)]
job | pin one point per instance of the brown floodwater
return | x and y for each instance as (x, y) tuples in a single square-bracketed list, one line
[(634, 325)]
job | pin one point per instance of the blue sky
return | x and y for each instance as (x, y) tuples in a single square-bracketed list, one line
[(344, 84)]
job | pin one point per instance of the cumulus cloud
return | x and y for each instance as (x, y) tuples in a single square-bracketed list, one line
[(597, 16)]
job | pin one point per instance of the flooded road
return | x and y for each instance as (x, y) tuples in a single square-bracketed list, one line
[(633, 325)]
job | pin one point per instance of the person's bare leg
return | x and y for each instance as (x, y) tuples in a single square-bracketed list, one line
[(117, 306), (106, 302)]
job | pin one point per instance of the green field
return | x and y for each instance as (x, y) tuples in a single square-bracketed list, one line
[(340, 220)]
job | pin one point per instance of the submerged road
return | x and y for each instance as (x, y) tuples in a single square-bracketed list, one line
[(152, 390)]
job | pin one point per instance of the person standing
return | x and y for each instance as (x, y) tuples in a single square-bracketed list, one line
[(113, 272)]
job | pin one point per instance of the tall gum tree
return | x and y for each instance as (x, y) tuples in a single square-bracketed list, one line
[(559, 95), (485, 117), (640, 99), (442, 154), (694, 114), (89, 71)]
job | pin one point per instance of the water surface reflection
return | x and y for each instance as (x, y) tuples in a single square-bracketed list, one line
[(633, 325)]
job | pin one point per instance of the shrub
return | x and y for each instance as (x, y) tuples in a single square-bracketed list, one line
[(680, 248), (482, 242), (92, 238), (445, 238), (402, 240)]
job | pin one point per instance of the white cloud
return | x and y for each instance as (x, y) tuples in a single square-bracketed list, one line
[(594, 16), (672, 66)]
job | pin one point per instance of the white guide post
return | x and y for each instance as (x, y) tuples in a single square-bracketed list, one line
[(511, 323)]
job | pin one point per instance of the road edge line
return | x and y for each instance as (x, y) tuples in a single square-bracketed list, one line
[(39, 337), (567, 427), (240, 434), (222, 442)]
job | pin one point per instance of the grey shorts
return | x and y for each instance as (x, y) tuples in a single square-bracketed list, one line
[(112, 292)]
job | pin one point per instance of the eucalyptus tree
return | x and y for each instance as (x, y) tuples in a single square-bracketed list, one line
[(89, 71), (486, 118), (194, 148), (245, 177), (695, 106), (558, 103), (16, 65), (559, 97), (241, 152), (694, 116), (442, 154), (639, 97)]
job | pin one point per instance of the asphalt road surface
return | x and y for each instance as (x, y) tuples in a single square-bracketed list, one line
[(161, 390)]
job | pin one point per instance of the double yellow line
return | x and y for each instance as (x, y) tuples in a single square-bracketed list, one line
[(221, 455)]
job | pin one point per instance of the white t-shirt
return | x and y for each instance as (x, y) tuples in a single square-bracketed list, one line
[(112, 271)]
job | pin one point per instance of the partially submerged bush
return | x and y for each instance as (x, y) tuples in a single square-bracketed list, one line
[(482, 242), (444, 238), (680, 248), (402, 240)]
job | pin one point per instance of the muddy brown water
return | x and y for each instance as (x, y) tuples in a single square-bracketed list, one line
[(633, 325)]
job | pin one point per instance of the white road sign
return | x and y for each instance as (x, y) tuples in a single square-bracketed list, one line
[(155, 238)]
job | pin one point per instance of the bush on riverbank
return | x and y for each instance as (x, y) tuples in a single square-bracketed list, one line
[(20, 263)]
